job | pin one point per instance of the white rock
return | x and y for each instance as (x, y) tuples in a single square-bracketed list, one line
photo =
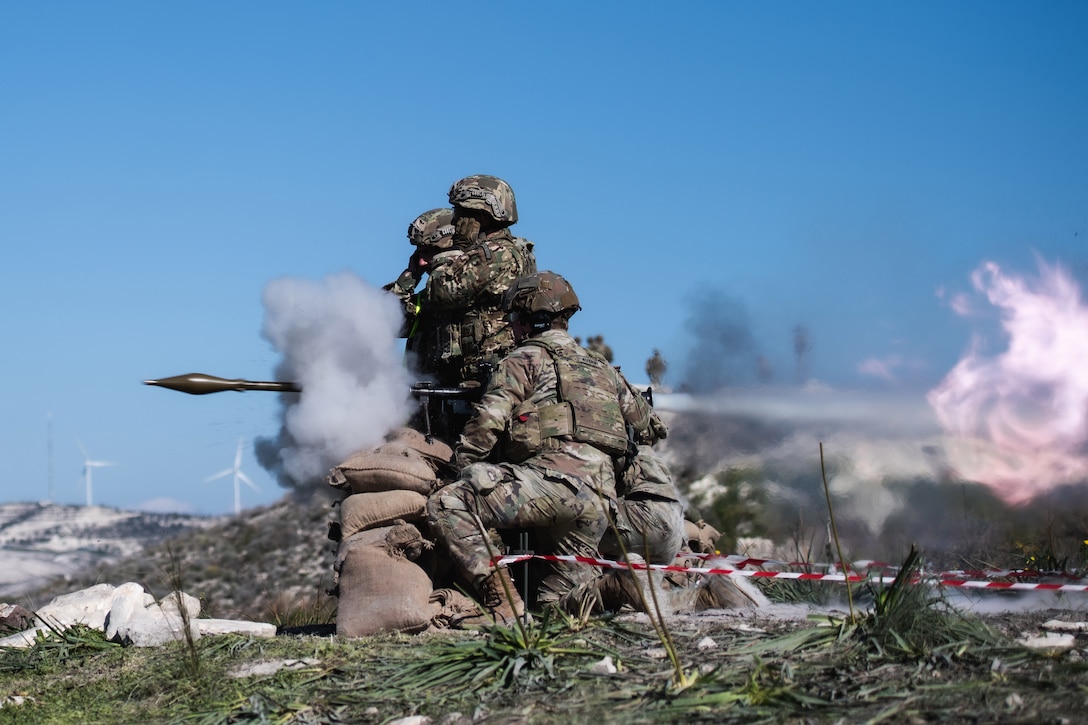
[(706, 643), (125, 607), (656, 653), (133, 621), (231, 626), (1049, 641), (1057, 625), (87, 606), (604, 667), (169, 604), (270, 667), (15, 700), (130, 615), (22, 640)]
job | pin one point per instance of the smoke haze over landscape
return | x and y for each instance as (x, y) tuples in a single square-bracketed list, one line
[(1010, 417)]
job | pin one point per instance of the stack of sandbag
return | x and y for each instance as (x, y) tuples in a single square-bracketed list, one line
[(381, 586), (388, 482), (407, 461)]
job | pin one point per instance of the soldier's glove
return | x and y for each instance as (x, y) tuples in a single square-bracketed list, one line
[(414, 266), (466, 230)]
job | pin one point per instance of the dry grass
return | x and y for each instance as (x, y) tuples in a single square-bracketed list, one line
[(772, 670)]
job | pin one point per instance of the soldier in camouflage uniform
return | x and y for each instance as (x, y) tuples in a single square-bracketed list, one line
[(463, 330), (431, 233), (540, 451), (649, 516)]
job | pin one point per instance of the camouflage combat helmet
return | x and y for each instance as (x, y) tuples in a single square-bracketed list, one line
[(489, 194), (432, 228), (543, 292)]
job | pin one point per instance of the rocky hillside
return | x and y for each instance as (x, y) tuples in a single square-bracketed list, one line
[(262, 565)]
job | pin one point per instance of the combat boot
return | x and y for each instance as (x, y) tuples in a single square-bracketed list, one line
[(495, 604), (500, 597), (617, 588)]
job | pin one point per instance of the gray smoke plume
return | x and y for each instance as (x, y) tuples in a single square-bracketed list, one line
[(883, 455), (802, 345), (724, 351), (338, 338)]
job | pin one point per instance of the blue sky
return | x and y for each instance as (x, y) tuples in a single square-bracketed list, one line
[(844, 166)]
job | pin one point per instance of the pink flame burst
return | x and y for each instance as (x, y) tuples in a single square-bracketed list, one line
[(1019, 419)]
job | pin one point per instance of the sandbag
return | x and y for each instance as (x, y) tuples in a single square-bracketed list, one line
[(702, 538), (381, 589), (433, 449), (389, 467), (362, 511)]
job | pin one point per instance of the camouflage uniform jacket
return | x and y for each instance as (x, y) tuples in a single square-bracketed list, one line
[(422, 326), (462, 320), (528, 374)]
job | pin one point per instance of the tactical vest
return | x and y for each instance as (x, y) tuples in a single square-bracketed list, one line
[(484, 334), (587, 408), (459, 344)]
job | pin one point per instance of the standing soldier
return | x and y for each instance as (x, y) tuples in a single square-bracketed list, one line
[(555, 415), (461, 305), (655, 368), (597, 344)]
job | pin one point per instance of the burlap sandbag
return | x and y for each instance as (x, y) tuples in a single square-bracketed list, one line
[(381, 589), (702, 538), (362, 511), (389, 467), (433, 449)]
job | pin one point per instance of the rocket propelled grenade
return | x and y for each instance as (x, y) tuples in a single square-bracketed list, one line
[(201, 384)]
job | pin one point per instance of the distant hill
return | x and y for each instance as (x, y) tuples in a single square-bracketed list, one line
[(252, 566), (43, 541)]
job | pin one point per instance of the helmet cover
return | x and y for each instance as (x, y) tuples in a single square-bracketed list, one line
[(541, 292), (432, 228), (488, 194)]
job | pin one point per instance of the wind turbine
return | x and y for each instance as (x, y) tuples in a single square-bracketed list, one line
[(88, 465), (238, 476)]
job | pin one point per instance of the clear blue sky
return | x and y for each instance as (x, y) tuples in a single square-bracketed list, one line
[(834, 165)]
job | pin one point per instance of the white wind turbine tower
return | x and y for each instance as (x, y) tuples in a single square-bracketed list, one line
[(238, 476), (88, 465)]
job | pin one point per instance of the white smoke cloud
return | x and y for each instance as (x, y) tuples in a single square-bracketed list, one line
[(338, 338), (814, 405), (871, 440), (1019, 419)]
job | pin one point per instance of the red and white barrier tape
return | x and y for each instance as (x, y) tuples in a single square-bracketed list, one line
[(741, 562), (803, 576)]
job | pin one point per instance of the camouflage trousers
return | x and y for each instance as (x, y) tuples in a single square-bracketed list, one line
[(651, 527), (567, 521)]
